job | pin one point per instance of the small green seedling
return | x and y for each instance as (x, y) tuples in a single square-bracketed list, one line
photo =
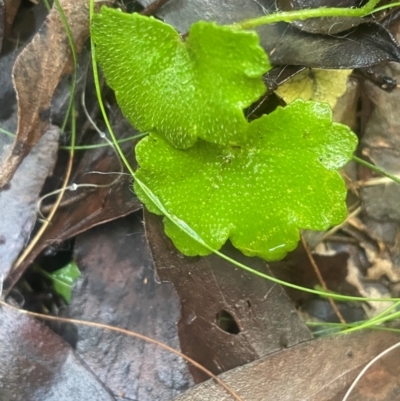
[(63, 279)]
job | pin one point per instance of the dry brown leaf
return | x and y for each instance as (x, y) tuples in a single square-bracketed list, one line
[(318, 370), (229, 317), (36, 74), (118, 287)]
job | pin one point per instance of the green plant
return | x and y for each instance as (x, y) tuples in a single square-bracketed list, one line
[(214, 175), (62, 279)]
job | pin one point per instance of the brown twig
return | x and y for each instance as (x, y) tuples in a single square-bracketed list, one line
[(321, 280), (130, 334)]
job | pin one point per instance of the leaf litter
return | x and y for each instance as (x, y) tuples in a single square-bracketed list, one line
[(224, 323), (366, 45), (19, 201), (380, 227), (30, 350), (105, 194), (118, 287), (332, 363), (50, 50)]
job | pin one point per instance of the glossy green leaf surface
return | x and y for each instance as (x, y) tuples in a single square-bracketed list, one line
[(181, 89), (258, 195), (64, 278)]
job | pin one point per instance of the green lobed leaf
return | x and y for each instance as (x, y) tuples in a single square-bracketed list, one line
[(258, 195), (64, 278), (174, 87)]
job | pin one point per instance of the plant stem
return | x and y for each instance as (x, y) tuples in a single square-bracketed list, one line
[(102, 145), (386, 6), (376, 169), (290, 16), (8, 133)]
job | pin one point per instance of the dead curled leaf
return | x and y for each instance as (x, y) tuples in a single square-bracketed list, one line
[(36, 74)]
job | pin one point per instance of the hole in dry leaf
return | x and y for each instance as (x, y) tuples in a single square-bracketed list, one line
[(226, 322)]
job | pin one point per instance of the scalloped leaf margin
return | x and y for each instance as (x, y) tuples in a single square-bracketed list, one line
[(257, 195), (181, 89)]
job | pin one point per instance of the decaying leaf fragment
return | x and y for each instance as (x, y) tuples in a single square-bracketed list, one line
[(312, 84), (37, 72)]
